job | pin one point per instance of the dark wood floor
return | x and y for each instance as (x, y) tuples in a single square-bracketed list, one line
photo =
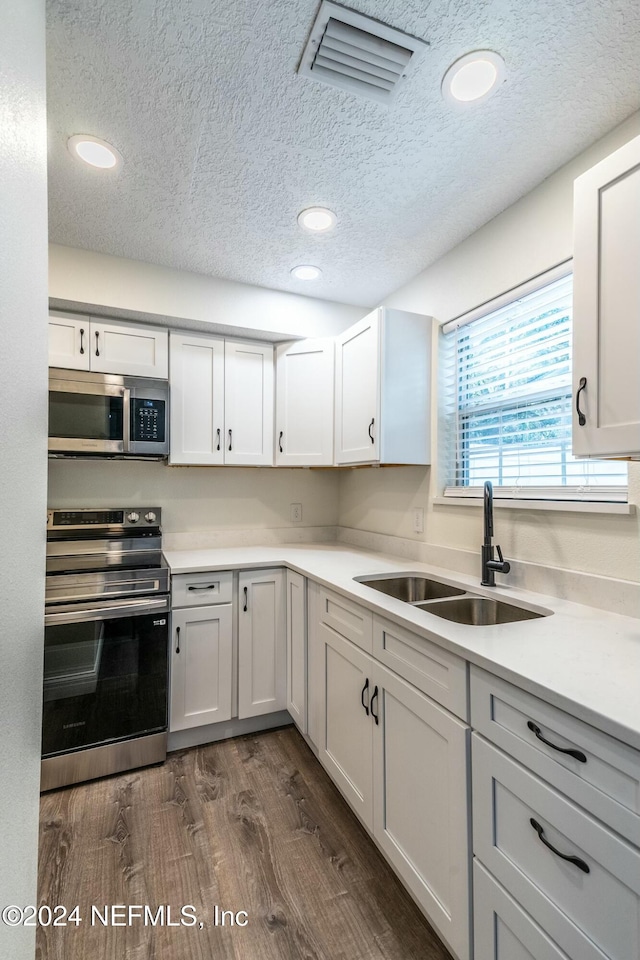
[(248, 824)]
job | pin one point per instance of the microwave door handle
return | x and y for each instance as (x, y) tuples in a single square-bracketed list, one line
[(126, 420)]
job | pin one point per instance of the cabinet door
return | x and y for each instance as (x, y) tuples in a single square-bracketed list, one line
[(297, 649), (420, 777), (130, 350), (345, 737), (248, 403), (262, 677), (358, 392), (606, 305), (69, 342), (304, 403), (315, 656), (197, 400), (200, 666)]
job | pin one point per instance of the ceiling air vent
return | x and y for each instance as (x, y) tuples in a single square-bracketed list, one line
[(358, 54)]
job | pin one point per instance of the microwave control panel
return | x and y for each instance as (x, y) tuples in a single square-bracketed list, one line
[(148, 420)]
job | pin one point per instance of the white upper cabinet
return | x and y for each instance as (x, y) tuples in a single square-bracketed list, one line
[(606, 311), (304, 403), (127, 349), (69, 339), (358, 391), (197, 400), (221, 401), (383, 389), (248, 403)]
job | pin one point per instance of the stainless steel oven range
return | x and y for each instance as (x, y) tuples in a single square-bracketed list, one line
[(106, 644)]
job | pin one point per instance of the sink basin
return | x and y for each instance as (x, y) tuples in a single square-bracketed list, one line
[(479, 611), (411, 588)]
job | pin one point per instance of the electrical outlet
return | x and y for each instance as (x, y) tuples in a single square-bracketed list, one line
[(296, 512), (418, 520)]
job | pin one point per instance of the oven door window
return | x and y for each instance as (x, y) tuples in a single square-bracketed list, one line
[(104, 680), (83, 416)]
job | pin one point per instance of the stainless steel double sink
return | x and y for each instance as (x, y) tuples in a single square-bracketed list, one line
[(446, 601)]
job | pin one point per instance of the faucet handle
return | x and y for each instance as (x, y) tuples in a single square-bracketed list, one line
[(506, 566)]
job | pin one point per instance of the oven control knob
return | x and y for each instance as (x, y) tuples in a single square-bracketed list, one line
[(150, 517), (133, 517)]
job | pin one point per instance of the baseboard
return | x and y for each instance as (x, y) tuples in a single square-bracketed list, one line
[(213, 732)]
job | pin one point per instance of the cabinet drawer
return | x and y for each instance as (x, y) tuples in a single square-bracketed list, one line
[(603, 903), (438, 673), (503, 931), (347, 618), (606, 783), (196, 589)]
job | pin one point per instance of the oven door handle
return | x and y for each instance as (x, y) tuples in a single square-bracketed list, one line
[(84, 612)]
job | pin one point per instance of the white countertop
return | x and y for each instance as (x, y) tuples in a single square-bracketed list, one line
[(584, 660)]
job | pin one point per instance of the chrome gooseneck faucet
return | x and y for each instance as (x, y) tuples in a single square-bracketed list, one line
[(489, 565)]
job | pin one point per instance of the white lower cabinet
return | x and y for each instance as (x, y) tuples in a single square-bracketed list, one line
[(502, 929), (201, 663), (420, 802), (262, 642), (346, 745), (315, 654), (297, 649), (556, 824), (401, 761), (577, 878)]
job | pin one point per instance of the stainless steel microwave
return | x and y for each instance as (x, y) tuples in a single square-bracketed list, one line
[(106, 415)]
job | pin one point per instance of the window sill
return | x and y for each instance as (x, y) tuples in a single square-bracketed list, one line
[(565, 506)]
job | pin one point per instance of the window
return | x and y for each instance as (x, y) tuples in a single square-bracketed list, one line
[(507, 401)]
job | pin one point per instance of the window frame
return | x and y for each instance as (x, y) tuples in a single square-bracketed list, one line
[(452, 434)]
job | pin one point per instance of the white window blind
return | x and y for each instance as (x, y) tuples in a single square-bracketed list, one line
[(506, 401)]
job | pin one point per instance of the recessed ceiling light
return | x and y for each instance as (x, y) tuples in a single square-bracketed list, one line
[(474, 77), (96, 152), (317, 219), (306, 272)]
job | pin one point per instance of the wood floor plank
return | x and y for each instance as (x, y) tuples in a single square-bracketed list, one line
[(249, 824)]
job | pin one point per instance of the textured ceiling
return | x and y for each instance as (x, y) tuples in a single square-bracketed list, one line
[(224, 143)]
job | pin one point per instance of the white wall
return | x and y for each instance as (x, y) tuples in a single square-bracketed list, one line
[(115, 284), (23, 383), (527, 238), (220, 505)]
